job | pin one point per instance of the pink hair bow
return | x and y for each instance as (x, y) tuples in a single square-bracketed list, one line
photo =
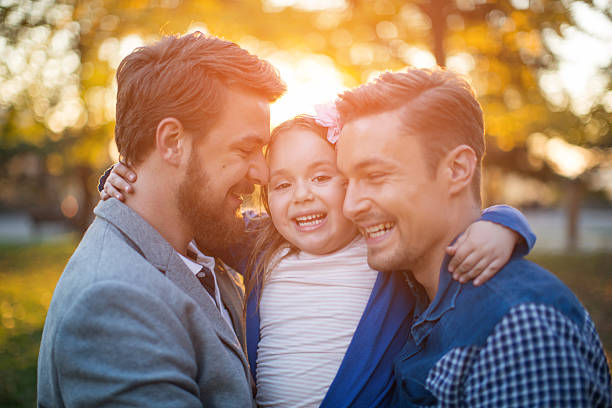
[(327, 116)]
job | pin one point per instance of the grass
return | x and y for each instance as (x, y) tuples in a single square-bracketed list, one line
[(590, 278), (28, 274)]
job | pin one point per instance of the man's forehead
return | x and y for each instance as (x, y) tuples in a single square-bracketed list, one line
[(245, 116), (377, 140), (370, 131), (390, 119), (358, 152)]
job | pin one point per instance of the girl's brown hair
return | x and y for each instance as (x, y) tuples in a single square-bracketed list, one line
[(268, 240)]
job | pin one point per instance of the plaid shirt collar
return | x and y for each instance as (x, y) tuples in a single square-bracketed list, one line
[(427, 314)]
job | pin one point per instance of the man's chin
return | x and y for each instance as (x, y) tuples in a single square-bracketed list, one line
[(382, 261), (378, 263)]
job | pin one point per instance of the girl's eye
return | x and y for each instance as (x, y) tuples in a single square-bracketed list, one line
[(321, 179), (281, 186)]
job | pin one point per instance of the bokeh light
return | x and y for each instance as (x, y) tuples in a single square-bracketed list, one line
[(70, 206), (311, 79)]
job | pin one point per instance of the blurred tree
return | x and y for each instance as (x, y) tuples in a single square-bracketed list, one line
[(57, 89), (58, 60), (504, 47)]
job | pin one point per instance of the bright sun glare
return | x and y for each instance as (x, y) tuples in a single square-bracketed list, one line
[(311, 79)]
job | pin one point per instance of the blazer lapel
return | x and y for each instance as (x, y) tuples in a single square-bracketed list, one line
[(146, 240), (182, 277), (232, 295)]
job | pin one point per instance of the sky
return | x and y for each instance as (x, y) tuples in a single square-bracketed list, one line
[(583, 50)]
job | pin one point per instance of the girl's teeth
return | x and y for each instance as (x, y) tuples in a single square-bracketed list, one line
[(309, 223), (309, 217), (309, 220)]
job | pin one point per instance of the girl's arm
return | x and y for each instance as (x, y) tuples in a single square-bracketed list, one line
[(116, 183), (479, 253), (487, 245)]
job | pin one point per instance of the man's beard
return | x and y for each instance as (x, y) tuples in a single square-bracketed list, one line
[(214, 228)]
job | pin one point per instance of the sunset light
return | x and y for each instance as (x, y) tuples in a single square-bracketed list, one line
[(569, 160), (311, 79), (208, 265)]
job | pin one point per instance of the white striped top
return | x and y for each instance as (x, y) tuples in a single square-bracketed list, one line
[(309, 310)]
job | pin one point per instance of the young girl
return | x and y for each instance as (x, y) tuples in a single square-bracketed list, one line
[(322, 327)]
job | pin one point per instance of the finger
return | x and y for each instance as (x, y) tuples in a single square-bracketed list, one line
[(462, 238), (475, 271), (466, 265), (113, 192), (459, 253), (488, 273), (124, 171), (119, 183), (104, 195)]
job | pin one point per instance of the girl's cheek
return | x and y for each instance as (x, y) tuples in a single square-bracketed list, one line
[(277, 201)]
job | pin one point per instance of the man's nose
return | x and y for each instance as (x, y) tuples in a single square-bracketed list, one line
[(258, 172), (354, 202)]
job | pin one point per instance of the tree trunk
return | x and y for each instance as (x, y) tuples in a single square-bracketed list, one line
[(84, 216), (573, 200), (437, 12)]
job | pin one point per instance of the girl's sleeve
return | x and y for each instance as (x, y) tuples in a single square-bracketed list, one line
[(513, 219), (103, 178)]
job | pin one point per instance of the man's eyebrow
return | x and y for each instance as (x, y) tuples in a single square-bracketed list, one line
[(373, 162), (250, 139)]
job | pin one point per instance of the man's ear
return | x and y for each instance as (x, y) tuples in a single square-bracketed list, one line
[(458, 167), (170, 140)]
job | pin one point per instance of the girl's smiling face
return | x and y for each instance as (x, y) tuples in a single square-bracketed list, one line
[(306, 192)]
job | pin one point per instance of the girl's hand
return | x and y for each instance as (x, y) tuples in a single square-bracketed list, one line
[(118, 183), (481, 251)]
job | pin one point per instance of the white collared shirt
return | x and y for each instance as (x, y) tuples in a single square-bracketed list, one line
[(208, 262)]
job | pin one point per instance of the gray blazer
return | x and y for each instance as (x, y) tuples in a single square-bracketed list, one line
[(130, 325)]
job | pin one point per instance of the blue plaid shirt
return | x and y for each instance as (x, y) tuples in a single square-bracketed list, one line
[(520, 340)]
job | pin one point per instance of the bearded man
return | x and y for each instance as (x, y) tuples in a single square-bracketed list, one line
[(141, 317)]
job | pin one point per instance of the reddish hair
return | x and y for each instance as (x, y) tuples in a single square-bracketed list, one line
[(183, 77), (436, 104)]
